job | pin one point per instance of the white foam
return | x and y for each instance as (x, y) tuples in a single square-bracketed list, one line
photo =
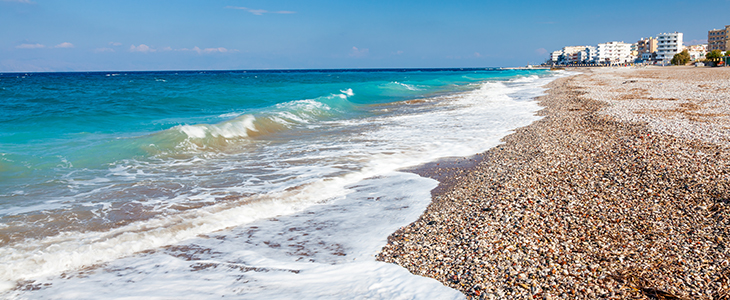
[(236, 128), (67, 251), (194, 131), (229, 115), (289, 177), (407, 86), (285, 115), (325, 252), (348, 92), (47, 205), (529, 78)]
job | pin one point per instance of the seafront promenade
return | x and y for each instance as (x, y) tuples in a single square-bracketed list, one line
[(620, 191)]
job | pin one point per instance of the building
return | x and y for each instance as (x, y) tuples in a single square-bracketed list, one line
[(572, 55), (697, 51), (668, 44), (614, 53), (646, 49), (555, 56), (634, 50), (588, 55), (719, 39)]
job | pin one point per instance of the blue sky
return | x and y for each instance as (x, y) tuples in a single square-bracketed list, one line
[(94, 35)]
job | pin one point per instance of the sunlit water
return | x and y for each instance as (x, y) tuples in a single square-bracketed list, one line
[(265, 184)]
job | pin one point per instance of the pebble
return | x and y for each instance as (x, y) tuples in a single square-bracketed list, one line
[(620, 191)]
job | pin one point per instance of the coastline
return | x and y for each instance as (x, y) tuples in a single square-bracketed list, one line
[(620, 191), (319, 199)]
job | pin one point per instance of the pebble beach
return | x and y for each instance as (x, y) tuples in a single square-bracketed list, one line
[(620, 191)]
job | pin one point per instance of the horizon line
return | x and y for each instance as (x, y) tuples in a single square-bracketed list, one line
[(261, 70)]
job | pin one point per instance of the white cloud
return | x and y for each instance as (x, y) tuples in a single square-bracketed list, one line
[(355, 52), (147, 49), (141, 48), (99, 50), (30, 46), (115, 43), (18, 1), (259, 12), (541, 51), (219, 49), (64, 45), (207, 50), (477, 54)]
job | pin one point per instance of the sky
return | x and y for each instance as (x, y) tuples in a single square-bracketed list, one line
[(134, 35)]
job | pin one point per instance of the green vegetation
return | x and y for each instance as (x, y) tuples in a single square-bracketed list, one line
[(681, 58), (714, 55)]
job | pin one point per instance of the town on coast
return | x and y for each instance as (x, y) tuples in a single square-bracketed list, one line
[(659, 50), (395, 150), (620, 191)]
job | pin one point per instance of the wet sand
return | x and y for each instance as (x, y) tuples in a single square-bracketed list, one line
[(620, 191)]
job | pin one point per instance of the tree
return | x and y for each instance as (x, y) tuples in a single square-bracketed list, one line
[(681, 58), (727, 53), (714, 55)]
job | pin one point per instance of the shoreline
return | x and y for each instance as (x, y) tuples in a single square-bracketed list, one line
[(601, 198)]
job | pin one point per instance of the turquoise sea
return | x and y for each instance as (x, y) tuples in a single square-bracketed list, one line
[(277, 184)]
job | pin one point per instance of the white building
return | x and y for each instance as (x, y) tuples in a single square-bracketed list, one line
[(696, 51), (614, 53), (555, 56), (668, 44), (573, 55), (589, 54)]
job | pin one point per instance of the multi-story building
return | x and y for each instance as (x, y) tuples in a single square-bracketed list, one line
[(719, 39), (646, 48), (572, 55), (634, 50), (588, 55), (614, 53), (555, 56), (668, 44), (697, 51)]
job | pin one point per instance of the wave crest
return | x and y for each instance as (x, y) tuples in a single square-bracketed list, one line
[(236, 128), (272, 120)]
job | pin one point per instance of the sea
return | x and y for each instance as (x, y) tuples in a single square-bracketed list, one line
[(263, 184)]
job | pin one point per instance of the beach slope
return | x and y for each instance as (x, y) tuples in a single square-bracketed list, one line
[(621, 190)]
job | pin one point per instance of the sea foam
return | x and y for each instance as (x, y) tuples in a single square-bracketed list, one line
[(296, 198)]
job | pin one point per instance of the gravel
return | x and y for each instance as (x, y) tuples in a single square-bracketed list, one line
[(620, 191)]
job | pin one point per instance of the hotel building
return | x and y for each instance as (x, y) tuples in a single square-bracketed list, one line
[(573, 55), (588, 55), (646, 48), (555, 56), (669, 44), (719, 39), (614, 53), (697, 51)]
